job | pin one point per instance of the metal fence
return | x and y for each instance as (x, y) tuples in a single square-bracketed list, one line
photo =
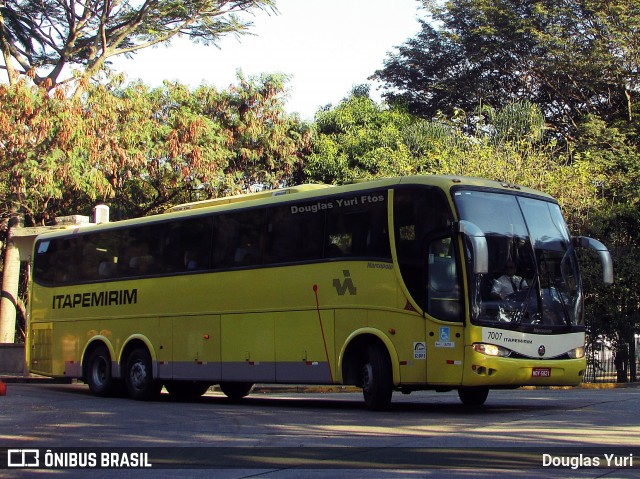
[(602, 367)]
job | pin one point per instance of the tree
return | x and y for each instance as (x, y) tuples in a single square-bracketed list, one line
[(267, 146), (43, 38), (42, 156), (569, 57), (614, 311), (359, 138), (43, 151), (507, 144), (172, 144), (143, 149)]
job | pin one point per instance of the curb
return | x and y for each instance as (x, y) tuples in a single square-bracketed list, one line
[(34, 380)]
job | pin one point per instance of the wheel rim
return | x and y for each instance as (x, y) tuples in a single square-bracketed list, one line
[(138, 375)]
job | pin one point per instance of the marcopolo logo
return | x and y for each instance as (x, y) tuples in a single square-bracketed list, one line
[(346, 285)]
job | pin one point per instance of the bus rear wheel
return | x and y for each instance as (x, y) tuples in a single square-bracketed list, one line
[(186, 390), (377, 379), (138, 376), (98, 373), (473, 396), (236, 391)]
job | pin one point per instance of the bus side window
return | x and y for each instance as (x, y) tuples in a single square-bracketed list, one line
[(251, 238), (145, 251), (338, 236), (293, 234), (67, 264), (44, 261), (239, 239), (359, 227), (226, 230), (187, 244)]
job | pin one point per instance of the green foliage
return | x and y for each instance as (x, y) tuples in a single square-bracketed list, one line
[(143, 150), (614, 312), (615, 151), (570, 58), (43, 152), (359, 139), (266, 144)]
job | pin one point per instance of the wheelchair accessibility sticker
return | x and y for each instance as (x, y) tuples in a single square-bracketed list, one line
[(445, 338)]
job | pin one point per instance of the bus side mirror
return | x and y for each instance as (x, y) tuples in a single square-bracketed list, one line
[(603, 252), (478, 242)]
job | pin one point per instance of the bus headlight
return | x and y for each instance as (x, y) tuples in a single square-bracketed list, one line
[(491, 350), (577, 353)]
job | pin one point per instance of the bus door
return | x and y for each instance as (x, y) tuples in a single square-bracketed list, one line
[(444, 314)]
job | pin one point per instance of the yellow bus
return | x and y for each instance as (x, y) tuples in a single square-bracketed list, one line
[(390, 285)]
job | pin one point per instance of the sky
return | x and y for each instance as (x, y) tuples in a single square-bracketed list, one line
[(325, 46)]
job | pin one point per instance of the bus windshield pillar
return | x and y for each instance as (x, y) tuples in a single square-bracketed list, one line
[(479, 249)]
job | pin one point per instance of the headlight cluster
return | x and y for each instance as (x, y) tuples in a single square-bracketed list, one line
[(491, 350), (499, 351), (577, 353)]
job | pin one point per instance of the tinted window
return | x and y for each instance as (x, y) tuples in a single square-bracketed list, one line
[(357, 227), (332, 227), (426, 256), (239, 238), (294, 233)]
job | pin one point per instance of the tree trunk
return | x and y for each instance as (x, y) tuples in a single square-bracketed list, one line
[(10, 281)]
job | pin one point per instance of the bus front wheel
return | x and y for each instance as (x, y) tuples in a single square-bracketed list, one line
[(377, 379), (98, 372), (138, 376), (473, 396)]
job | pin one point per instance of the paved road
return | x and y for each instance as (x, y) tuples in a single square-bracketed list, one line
[(286, 434)]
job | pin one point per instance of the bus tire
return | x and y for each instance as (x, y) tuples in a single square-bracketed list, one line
[(98, 373), (138, 376), (473, 396), (377, 379), (236, 391), (186, 390)]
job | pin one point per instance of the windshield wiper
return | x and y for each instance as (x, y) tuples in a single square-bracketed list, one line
[(565, 311), (525, 302)]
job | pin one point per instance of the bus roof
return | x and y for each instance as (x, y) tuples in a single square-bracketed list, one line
[(248, 196), (302, 192)]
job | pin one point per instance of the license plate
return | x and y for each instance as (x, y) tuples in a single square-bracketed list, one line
[(541, 373)]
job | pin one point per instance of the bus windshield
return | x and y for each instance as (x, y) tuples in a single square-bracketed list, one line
[(533, 278)]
